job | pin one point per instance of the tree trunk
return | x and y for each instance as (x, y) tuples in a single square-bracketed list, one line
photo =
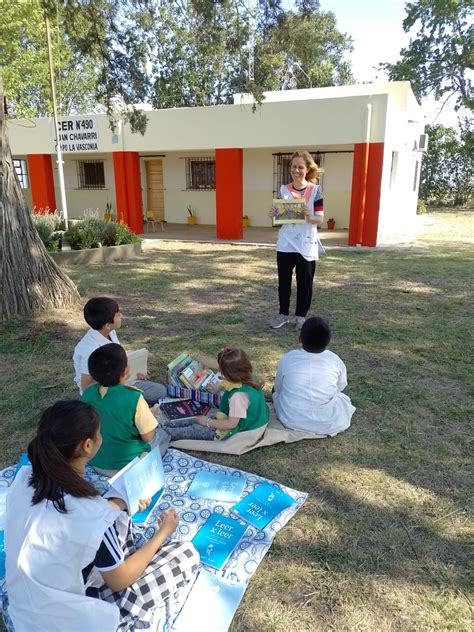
[(29, 279)]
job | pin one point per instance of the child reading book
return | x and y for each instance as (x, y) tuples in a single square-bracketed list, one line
[(72, 563), (309, 383), (104, 318), (242, 407), (127, 423)]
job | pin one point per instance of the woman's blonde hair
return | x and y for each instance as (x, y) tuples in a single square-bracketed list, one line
[(312, 167)]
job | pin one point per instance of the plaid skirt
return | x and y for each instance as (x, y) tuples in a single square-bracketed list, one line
[(161, 584)]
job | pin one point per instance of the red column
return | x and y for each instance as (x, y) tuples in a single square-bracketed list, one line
[(128, 191), (40, 171), (365, 196), (229, 193)]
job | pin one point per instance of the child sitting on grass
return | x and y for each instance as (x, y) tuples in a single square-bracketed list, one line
[(126, 421), (309, 383), (104, 318), (243, 405)]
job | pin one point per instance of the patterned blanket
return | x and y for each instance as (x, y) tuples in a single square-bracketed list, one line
[(180, 469)]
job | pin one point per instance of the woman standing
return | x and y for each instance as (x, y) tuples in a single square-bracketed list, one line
[(297, 245), (71, 561)]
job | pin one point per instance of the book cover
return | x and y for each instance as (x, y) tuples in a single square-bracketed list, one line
[(184, 409), (137, 363), (217, 538), (140, 518), (210, 594), (217, 486), (262, 505), (289, 212), (141, 478)]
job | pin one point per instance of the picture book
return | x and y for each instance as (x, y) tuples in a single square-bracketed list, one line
[(141, 478), (184, 409), (217, 538), (262, 505), (289, 212), (137, 363), (210, 594), (217, 486)]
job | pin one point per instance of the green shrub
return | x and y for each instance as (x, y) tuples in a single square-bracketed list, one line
[(94, 233), (421, 207), (124, 235), (46, 225)]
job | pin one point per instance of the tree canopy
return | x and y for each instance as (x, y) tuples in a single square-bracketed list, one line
[(440, 55), (118, 53), (447, 168)]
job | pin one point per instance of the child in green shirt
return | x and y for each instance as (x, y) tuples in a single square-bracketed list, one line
[(126, 421), (243, 405)]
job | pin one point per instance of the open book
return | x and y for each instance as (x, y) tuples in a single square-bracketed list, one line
[(137, 363), (289, 212), (141, 478)]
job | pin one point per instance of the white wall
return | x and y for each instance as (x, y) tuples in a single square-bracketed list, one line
[(337, 188), (399, 193), (81, 200)]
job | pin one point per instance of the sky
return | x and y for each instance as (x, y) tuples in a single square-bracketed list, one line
[(377, 32)]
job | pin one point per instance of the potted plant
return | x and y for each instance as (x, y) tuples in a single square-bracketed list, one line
[(331, 223), (108, 212), (245, 221), (192, 219)]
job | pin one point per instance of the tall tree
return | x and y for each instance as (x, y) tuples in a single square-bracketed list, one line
[(440, 55), (24, 63), (303, 49), (446, 170), (29, 278)]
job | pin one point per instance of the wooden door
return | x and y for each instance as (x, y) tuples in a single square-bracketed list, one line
[(154, 186)]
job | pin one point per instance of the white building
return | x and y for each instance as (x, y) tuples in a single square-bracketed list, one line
[(229, 160)]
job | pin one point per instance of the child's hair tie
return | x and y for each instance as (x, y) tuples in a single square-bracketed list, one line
[(225, 349)]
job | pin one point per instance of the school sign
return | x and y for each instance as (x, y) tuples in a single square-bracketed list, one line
[(78, 134)]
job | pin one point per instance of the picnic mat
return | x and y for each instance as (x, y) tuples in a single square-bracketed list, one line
[(232, 580), (245, 441)]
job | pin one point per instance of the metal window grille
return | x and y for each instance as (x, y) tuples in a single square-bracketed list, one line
[(281, 169), (90, 174), (22, 173), (200, 174)]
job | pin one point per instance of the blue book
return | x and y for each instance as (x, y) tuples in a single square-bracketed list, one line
[(262, 505), (216, 595), (141, 517), (217, 538), (217, 486), (24, 460), (141, 478)]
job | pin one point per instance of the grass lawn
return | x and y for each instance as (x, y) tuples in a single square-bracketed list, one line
[(382, 541)]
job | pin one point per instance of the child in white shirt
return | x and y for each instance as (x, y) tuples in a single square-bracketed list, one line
[(309, 383)]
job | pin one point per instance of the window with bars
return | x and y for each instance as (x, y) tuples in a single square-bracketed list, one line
[(21, 169), (200, 174), (90, 174), (281, 169)]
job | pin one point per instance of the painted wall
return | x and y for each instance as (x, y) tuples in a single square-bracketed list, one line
[(80, 201), (401, 172), (192, 129)]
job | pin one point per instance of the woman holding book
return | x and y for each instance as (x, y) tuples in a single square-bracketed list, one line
[(242, 407), (297, 245), (71, 560)]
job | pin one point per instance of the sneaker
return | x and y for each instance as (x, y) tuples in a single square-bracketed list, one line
[(299, 322), (278, 321)]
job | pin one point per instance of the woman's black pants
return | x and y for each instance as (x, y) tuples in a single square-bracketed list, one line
[(286, 262)]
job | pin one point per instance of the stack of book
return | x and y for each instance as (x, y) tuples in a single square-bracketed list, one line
[(189, 378)]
